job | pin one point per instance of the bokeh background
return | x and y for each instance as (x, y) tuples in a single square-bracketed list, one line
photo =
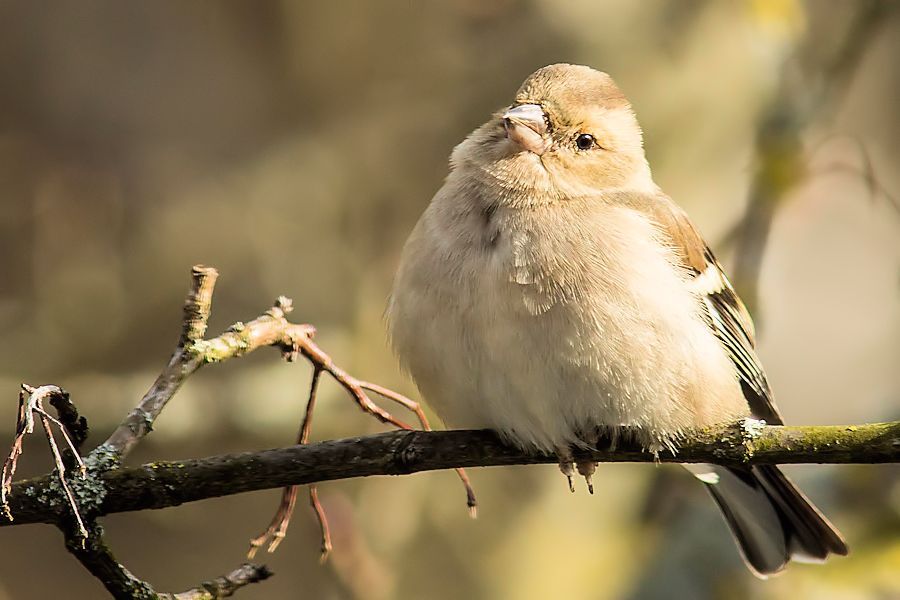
[(293, 145)]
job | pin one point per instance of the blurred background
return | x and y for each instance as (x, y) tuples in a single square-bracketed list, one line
[(293, 145)]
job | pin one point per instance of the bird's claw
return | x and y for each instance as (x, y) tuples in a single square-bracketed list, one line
[(586, 469), (567, 466)]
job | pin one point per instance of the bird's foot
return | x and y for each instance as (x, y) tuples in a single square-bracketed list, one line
[(567, 465), (586, 469)]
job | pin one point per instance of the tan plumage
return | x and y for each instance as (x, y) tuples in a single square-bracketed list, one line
[(551, 291)]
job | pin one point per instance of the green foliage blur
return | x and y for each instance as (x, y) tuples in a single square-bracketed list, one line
[(293, 145)]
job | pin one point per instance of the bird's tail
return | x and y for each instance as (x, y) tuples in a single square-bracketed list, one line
[(772, 521)]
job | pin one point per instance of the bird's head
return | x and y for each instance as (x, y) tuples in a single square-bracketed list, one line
[(569, 131)]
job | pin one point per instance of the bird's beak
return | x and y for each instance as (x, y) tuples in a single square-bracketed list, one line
[(526, 126)]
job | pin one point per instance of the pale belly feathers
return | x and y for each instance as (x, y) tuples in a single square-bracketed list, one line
[(507, 323)]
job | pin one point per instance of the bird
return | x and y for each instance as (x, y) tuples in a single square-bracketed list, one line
[(552, 292)]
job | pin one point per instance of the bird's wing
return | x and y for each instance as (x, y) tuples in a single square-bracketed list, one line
[(726, 314)]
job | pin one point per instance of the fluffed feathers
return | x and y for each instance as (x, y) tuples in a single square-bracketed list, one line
[(551, 290)]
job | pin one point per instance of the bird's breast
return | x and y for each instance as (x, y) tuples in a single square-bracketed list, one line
[(547, 322)]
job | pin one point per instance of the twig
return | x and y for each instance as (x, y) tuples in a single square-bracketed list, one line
[(75, 425), (314, 503), (184, 361), (99, 560), (95, 556), (277, 529), (274, 329), (323, 522), (224, 586), (471, 502), (161, 485), (271, 329), (31, 401), (61, 472), (12, 461), (353, 385)]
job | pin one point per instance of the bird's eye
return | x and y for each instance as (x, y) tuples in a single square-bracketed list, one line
[(584, 141)]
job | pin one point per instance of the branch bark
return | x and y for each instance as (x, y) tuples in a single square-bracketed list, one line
[(165, 484)]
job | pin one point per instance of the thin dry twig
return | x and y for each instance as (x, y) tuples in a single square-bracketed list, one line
[(224, 586), (321, 359), (314, 503), (298, 340), (9, 465), (277, 529), (471, 502), (31, 401), (324, 530)]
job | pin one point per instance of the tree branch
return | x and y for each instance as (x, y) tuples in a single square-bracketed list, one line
[(165, 484), (85, 495), (102, 486)]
